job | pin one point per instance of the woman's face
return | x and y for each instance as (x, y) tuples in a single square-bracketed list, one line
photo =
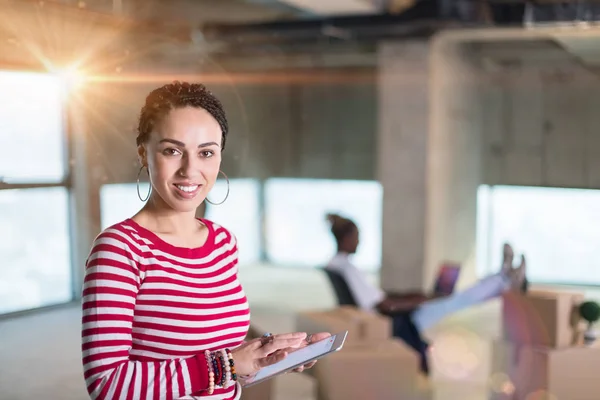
[(183, 156), (351, 241)]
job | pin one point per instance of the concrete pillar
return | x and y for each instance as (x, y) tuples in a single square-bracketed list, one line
[(454, 162), (403, 98)]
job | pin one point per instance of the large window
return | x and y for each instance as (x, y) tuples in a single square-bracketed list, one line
[(555, 228), (31, 128), (240, 213), (297, 231), (34, 250), (120, 201), (35, 265)]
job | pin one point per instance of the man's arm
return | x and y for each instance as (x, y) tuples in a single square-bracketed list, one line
[(397, 305)]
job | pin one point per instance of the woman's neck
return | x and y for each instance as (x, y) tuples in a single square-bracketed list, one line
[(160, 219)]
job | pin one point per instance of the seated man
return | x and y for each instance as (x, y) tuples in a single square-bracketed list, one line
[(409, 324)]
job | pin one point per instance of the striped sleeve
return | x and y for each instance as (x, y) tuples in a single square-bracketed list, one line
[(112, 281)]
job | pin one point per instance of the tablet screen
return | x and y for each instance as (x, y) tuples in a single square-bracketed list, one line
[(299, 357)]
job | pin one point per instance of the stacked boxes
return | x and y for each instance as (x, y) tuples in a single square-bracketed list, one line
[(541, 353), (542, 318)]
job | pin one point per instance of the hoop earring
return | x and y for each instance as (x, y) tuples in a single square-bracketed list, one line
[(137, 186), (226, 196)]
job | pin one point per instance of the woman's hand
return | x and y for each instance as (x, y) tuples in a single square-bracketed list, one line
[(251, 356), (315, 337)]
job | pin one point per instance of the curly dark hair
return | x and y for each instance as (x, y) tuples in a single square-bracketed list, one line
[(340, 226), (178, 95)]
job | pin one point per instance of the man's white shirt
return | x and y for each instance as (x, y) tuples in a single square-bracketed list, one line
[(365, 294)]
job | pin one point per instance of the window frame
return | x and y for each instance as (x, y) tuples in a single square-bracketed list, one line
[(65, 182)]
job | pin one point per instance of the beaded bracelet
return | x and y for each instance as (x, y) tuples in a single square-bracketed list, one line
[(221, 369), (226, 369), (231, 364), (217, 369), (225, 376), (211, 374)]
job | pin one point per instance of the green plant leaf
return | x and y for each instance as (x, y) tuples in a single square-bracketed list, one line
[(590, 311)]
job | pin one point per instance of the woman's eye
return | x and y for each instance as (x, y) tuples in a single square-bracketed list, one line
[(171, 152), (207, 153)]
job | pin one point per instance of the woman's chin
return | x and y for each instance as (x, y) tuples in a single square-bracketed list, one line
[(182, 205)]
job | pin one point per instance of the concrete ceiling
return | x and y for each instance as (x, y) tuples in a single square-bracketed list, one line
[(572, 49), (197, 12), (521, 53), (154, 30), (585, 48), (191, 12), (336, 7), (544, 48), (183, 15)]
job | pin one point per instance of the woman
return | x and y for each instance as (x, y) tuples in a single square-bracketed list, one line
[(409, 325), (164, 314)]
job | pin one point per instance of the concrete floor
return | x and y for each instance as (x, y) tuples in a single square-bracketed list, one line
[(40, 353)]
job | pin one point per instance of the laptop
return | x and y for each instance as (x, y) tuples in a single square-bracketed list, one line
[(446, 280)]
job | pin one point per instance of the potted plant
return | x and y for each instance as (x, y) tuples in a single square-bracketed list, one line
[(590, 311)]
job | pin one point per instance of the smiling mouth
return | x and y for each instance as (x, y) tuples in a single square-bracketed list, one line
[(187, 189)]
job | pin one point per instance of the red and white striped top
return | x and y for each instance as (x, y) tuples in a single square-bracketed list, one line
[(150, 309)]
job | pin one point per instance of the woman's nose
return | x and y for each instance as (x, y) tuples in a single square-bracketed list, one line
[(189, 167)]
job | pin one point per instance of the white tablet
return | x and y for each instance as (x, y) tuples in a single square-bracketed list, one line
[(300, 357)]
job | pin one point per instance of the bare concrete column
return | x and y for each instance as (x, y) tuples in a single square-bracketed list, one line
[(403, 97), (454, 162)]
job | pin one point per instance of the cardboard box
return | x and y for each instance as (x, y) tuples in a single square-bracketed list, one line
[(360, 325), (379, 369), (301, 384), (261, 391), (526, 372), (542, 318)]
